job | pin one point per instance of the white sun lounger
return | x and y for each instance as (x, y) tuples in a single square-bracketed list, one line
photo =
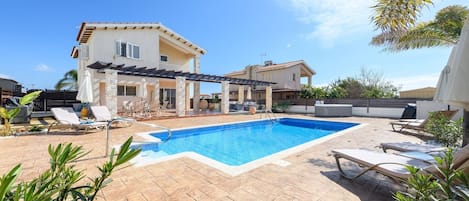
[(393, 166), (409, 146), (65, 116), (102, 114)]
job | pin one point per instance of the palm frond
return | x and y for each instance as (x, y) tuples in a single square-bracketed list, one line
[(393, 15)]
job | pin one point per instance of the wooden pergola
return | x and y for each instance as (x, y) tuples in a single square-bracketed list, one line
[(181, 78)]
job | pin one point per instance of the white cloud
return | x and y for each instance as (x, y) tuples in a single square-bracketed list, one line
[(43, 68), (5, 76), (288, 45), (332, 19), (415, 82)]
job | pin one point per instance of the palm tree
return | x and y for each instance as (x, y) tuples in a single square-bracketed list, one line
[(399, 30), (69, 81), (397, 22)]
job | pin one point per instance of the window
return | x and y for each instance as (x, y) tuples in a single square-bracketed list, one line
[(123, 90), (125, 49), (294, 77), (163, 58)]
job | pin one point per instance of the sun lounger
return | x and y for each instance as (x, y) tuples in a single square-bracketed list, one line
[(66, 117), (408, 146), (393, 166), (419, 125), (102, 114)]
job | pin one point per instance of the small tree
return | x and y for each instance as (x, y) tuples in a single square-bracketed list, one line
[(449, 184), (59, 181), (319, 93), (306, 93), (8, 115), (445, 130)]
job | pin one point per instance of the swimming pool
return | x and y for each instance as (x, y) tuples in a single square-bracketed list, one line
[(237, 144)]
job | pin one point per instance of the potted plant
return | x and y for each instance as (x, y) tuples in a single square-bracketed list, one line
[(8, 115), (216, 102)]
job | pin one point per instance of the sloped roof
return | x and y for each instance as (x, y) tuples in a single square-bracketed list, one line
[(87, 28), (261, 68)]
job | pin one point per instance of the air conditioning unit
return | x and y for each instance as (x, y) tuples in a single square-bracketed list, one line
[(268, 63)]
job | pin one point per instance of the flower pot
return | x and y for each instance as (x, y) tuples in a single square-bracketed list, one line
[(203, 105), (211, 106), (252, 110)]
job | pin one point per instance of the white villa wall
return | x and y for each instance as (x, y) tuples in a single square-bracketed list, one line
[(177, 60), (102, 47), (283, 78), (424, 107), (356, 111)]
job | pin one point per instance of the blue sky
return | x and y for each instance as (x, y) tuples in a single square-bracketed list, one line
[(332, 36)]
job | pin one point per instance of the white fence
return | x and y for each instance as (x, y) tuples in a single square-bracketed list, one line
[(423, 108)]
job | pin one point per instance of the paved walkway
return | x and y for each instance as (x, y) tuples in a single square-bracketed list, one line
[(312, 174)]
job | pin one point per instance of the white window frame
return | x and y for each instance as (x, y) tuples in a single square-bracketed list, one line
[(129, 50), (125, 89)]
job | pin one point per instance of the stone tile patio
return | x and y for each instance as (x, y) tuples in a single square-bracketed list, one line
[(312, 174)]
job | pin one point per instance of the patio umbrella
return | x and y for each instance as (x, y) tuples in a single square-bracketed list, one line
[(143, 89), (143, 93), (452, 87), (85, 90)]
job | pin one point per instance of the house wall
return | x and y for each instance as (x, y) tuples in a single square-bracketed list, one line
[(175, 57), (102, 46), (283, 78)]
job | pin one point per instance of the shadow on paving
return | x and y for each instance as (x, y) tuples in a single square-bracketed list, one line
[(370, 186), (367, 187)]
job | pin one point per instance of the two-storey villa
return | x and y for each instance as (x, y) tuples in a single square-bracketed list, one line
[(287, 77), (144, 62)]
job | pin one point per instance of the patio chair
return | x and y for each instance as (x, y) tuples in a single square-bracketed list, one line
[(128, 108), (65, 116), (102, 114), (391, 165), (419, 124)]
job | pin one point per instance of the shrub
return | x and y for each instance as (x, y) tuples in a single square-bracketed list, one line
[(280, 107), (448, 184), (59, 182), (445, 131)]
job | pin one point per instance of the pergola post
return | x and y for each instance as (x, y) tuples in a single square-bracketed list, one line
[(196, 97), (111, 90), (157, 95), (268, 98), (241, 94), (225, 97), (310, 80), (188, 96), (180, 96), (248, 94)]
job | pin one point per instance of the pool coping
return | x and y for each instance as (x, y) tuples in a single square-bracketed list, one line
[(237, 170)]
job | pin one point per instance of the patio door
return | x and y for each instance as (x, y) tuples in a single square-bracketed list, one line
[(168, 95)]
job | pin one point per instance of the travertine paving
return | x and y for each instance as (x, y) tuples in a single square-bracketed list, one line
[(312, 174)]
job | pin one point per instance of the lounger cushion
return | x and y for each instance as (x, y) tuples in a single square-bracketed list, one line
[(409, 146), (369, 158)]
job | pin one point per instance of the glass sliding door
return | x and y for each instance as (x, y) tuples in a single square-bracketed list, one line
[(168, 95)]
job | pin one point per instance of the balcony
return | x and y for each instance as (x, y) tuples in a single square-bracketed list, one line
[(175, 67)]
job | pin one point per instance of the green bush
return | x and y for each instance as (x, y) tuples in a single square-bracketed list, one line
[(59, 182), (280, 107), (448, 184), (445, 131)]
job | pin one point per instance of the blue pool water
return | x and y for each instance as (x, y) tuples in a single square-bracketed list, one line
[(240, 143)]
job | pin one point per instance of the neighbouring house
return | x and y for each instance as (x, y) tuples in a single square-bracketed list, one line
[(426, 92), (287, 77), (143, 63), (9, 88)]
